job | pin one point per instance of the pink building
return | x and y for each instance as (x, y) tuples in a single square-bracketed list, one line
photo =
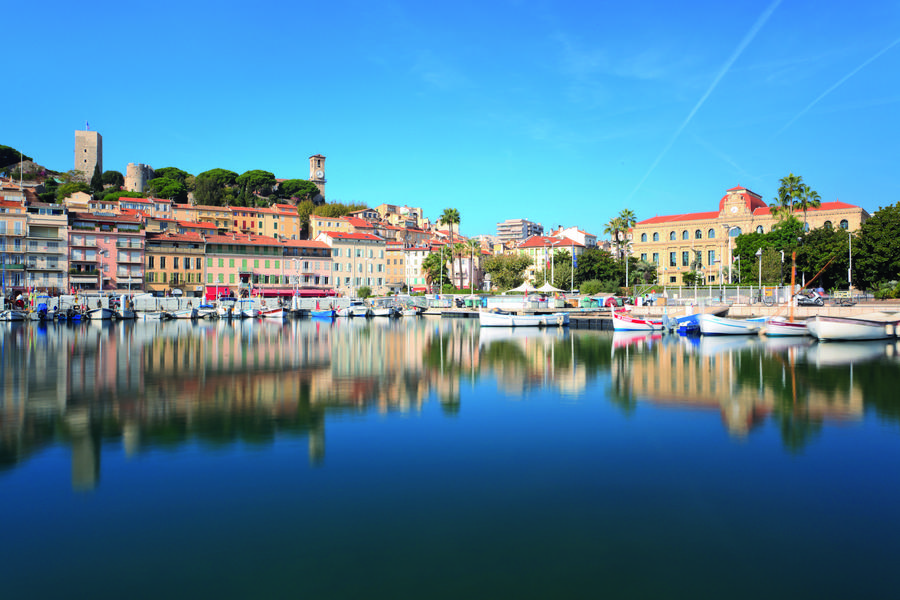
[(245, 264), (106, 252), (308, 263)]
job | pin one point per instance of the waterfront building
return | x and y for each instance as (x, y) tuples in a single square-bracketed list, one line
[(308, 264), (395, 261), (518, 230), (137, 176), (88, 153), (245, 264), (358, 259), (288, 222), (416, 279), (174, 261), (13, 226), (541, 248), (46, 261), (318, 224), (106, 252), (219, 216), (674, 242), (367, 214)]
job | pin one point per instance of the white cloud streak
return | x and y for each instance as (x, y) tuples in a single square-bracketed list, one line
[(725, 68), (836, 85)]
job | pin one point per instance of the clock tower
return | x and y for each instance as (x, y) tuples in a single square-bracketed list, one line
[(317, 171)]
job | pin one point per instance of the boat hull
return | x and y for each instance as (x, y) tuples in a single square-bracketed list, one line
[(712, 325), (845, 328), (489, 319), (780, 327), (625, 322)]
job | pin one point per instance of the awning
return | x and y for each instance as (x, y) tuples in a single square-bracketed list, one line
[(217, 291), (288, 292)]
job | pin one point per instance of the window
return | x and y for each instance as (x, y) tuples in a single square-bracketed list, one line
[(150, 262), (643, 237), (711, 257), (827, 225), (162, 263), (698, 235), (672, 236), (209, 263), (685, 259), (684, 235), (199, 263), (656, 258), (266, 264), (845, 224), (175, 263), (711, 234), (672, 261), (230, 263), (759, 229), (222, 263), (655, 237), (644, 256)]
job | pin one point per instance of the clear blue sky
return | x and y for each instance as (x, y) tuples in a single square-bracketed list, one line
[(559, 112)]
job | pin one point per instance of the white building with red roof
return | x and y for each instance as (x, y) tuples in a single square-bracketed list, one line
[(674, 242), (358, 259), (542, 248)]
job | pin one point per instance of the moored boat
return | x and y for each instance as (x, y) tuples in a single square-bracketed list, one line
[(274, 313), (103, 314), (325, 313), (506, 319), (384, 311), (779, 326), (713, 325), (13, 315), (872, 326), (186, 313), (622, 321)]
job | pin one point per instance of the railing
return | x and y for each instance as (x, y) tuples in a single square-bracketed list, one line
[(127, 274), (128, 244), (74, 244), (129, 260)]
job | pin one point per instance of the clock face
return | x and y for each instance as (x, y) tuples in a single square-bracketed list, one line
[(319, 174), (734, 209)]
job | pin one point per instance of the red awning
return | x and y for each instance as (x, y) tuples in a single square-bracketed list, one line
[(288, 292), (419, 288), (217, 291)]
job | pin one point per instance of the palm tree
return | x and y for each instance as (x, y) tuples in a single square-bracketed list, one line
[(459, 250), (474, 247), (614, 229), (450, 217), (809, 199), (789, 192)]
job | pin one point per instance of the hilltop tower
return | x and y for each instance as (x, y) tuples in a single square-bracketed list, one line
[(88, 152), (317, 171)]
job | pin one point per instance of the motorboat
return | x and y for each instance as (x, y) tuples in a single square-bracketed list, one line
[(247, 310), (13, 315), (103, 314), (499, 318), (206, 311), (713, 325), (274, 313), (384, 311), (325, 313), (227, 309), (622, 321), (871, 326), (126, 314), (411, 311), (359, 309), (779, 326), (156, 315), (186, 313)]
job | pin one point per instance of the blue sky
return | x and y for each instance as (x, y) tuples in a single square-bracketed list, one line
[(558, 112)]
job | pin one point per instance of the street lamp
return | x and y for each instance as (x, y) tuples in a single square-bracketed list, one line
[(850, 266), (759, 255)]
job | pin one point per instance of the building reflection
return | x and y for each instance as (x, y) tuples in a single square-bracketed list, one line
[(147, 385)]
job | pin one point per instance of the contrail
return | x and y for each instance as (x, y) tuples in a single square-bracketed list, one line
[(836, 85), (725, 68)]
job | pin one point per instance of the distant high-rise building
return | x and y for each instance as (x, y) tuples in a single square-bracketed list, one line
[(88, 152), (518, 230)]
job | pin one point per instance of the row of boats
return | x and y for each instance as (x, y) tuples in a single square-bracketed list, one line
[(871, 326)]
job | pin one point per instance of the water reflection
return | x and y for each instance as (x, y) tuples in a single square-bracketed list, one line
[(222, 383)]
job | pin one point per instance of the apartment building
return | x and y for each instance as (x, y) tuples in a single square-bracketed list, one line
[(174, 261), (358, 259)]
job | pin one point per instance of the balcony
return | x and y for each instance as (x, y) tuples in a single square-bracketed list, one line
[(123, 275), (45, 265), (73, 243), (129, 260), (131, 244)]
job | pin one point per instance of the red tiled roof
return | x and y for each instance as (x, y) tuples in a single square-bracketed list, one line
[(340, 235), (194, 225), (176, 237), (83, 216), (357, 222), (541, 241), (836, 205), (304, 244), (243, 240), (701, 216)]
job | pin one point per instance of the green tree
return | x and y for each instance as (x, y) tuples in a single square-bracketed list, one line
[(363, 292), (114, 196), (67, 189), (252, 184), (298, 188), (595, 263), (792, 194), (614, 230), (645, 271), (10, 158), (163, 187), (113, 179), (97, 180), (825, 252), (173, 173), (507, 270), (435, 268), (214, 187), (304, 209), (809, 199), (876, 252)]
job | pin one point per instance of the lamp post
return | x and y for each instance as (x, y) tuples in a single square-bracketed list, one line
[(850, 266), (759, 255)]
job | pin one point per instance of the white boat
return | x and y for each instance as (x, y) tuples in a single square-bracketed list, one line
[(249, 313), (383, 311), (226, 309), (872, 326), (126, 314), (156, 315), (186, 313), (713, 325), (502, 319), (622, 321), (410, 311), (206, 311), (779, 326), (101, 314), (359, 309), (274, 313), (343, 312), (12, 315)]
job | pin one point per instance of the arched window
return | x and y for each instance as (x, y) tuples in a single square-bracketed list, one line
[(845, 224), (827, 225), (734, 231), (759, 229), (698, 235), (643, 237), (672, 236), (656, 237), (684, 235), (711, 234)]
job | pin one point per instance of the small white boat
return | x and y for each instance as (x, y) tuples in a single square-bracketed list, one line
[(410, 311), (779, 326), (359, 309), (713, 325), (249, 313), (274, 313), (12, 315), (503, 319), (103, 314), (126, 314), (343, 312), (873, 326), (206, 311), (156, 315), (622, 321), (383, 311), (186, 313)]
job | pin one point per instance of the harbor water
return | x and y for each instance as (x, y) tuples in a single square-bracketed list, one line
[(428, 458)]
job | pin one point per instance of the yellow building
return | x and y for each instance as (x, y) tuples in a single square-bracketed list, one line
[(672, 242)]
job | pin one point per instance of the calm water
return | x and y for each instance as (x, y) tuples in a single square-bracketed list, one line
[(429, 459)]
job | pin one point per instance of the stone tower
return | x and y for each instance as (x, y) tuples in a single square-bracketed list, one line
[(137, 176), (317, 171), (88, 152)]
